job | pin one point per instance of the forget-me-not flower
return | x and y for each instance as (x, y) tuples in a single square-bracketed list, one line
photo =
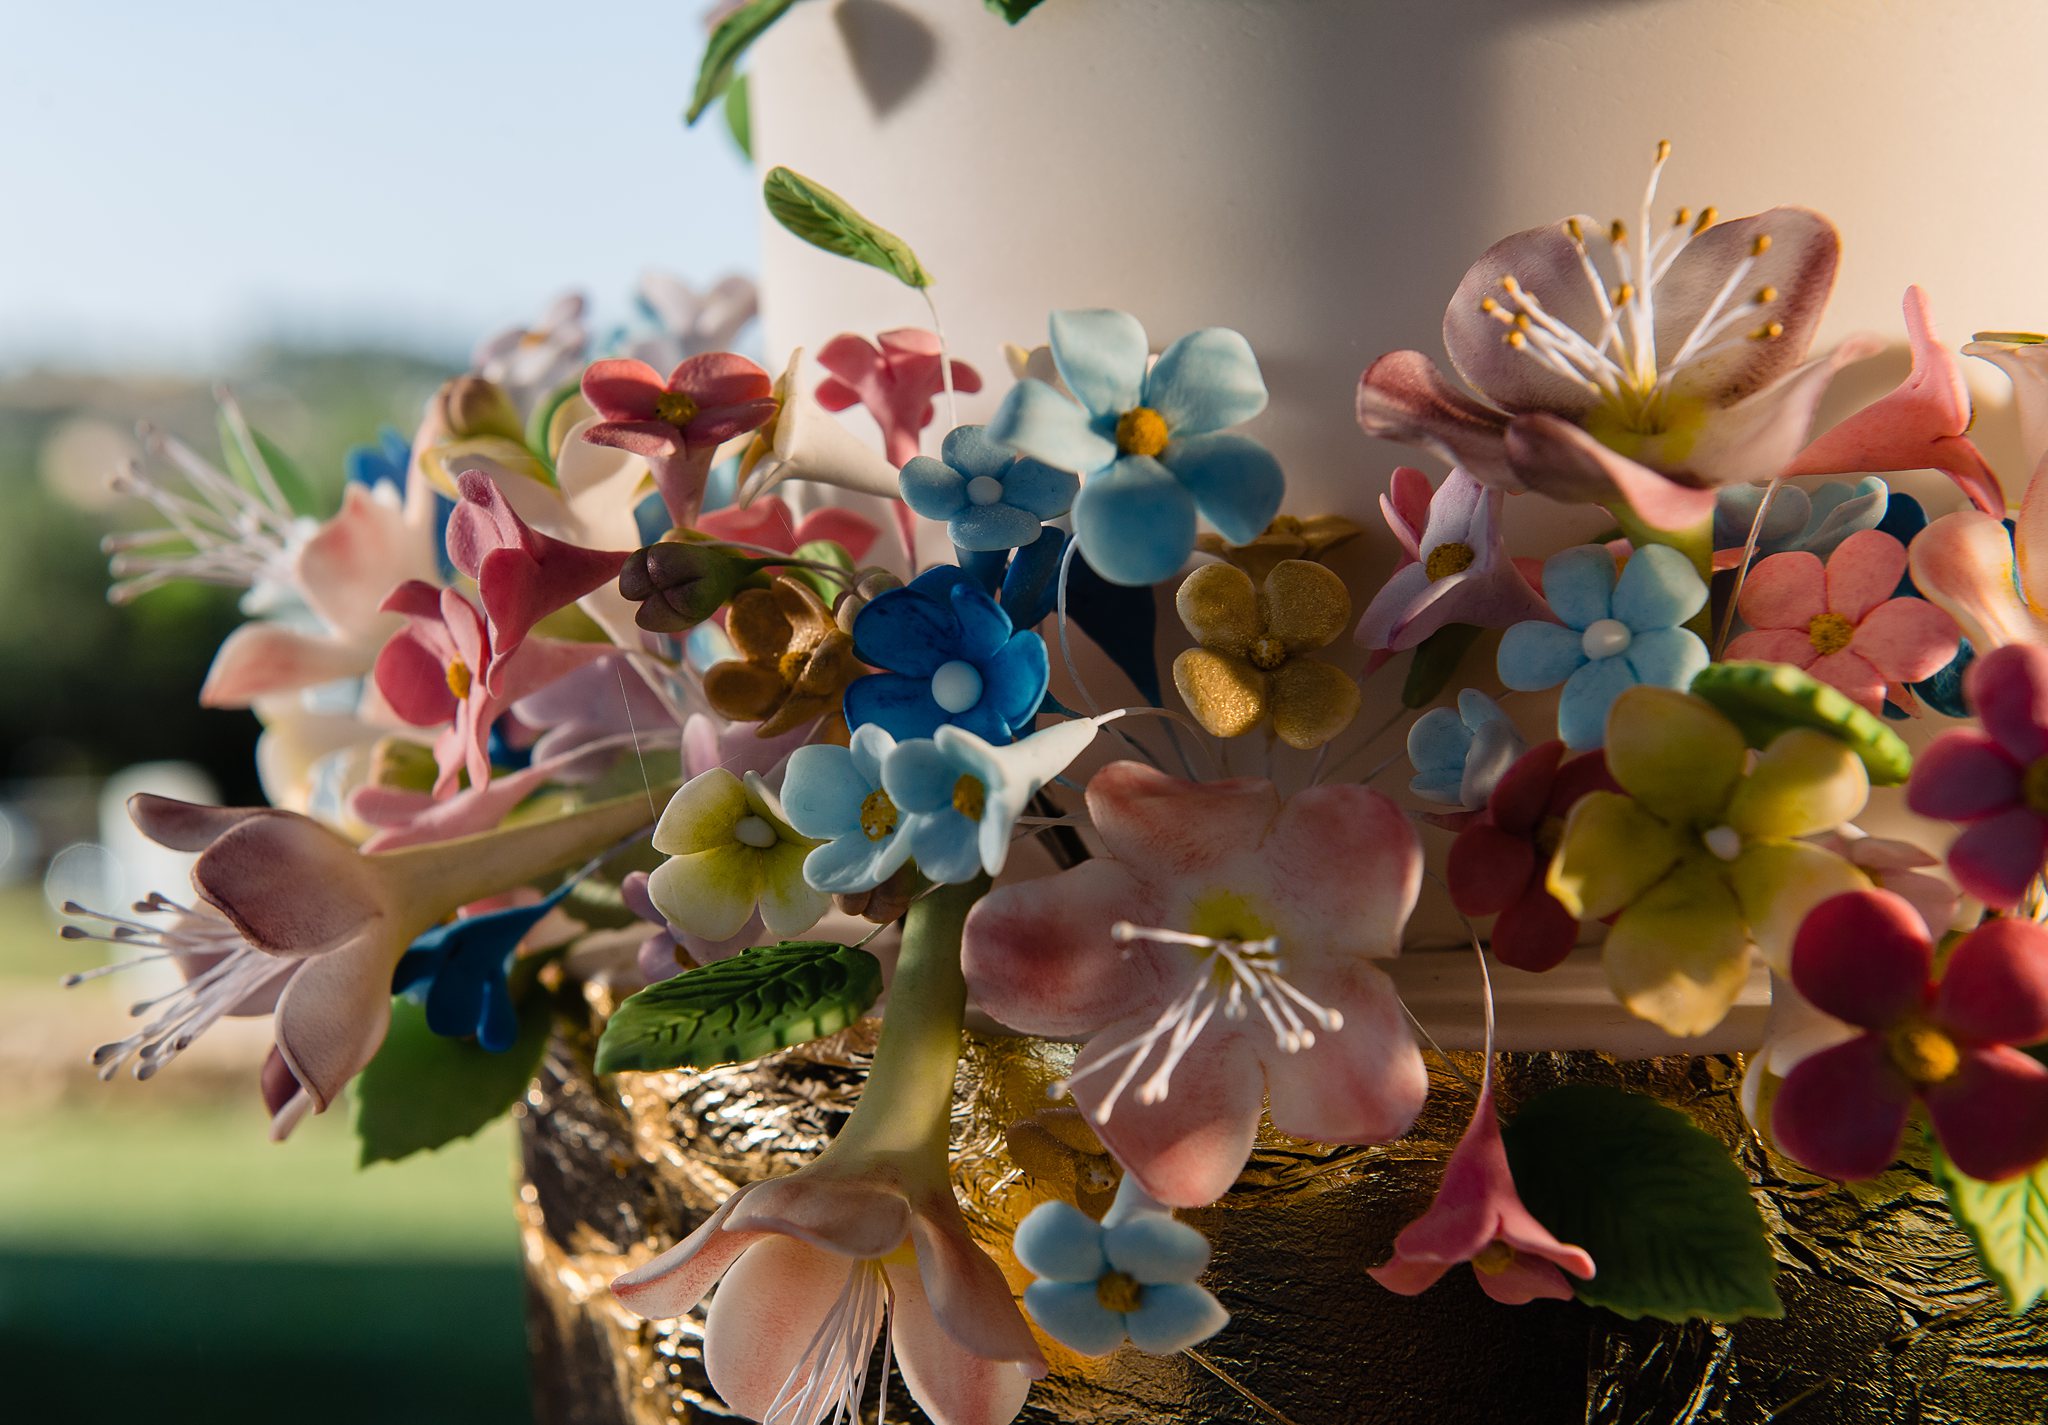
[(989, 496)]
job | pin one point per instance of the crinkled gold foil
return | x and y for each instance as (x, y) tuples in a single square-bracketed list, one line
[(1887, 1319)]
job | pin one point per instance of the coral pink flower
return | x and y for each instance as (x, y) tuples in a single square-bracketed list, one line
[(677, 424), (1995, 779), (1840, 622), (768, 523), (1499, 862), (1478, 1217), (1218, 955), (896, 381), (1453, 567), (1865, 957)]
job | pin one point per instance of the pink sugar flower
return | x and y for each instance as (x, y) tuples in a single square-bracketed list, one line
[(1454, 568), (1840, 622), (1865, 957), (1994, 779), (678, 424), (1218, 956), (896, 380), (1478, 1217), (769, 524)]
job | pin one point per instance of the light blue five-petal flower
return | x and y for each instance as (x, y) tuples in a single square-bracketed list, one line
[(829, 793), (1815, 520), (963, 795), (989, 496), (1615, 634), (1460, 753), (1070, 1252)]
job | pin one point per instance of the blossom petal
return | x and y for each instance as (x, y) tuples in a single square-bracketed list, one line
[(766, 1320), (1343, 860), (1802, 250), (1964, 563), (1236, 482), (1779, 882), (672, 1284), (1173, 1317), (1992, 1116), (1679, 954), (1206, 381), (333, 1015), (789, 905), (1588, 697), (710, 893), (1906, 640), (1997, 859), (968, 1298), (1863, 572), (1667, 657), (1312, 701), (1187, 1148), (622, 390), (1403, 397), (1489, 870), (1675, 752), (2008, 688), (1071, 1314), (1995, 985), (1545, 263), (1556, 458), (1536, 655), (1535, 933), (1101, 356), (1579, 585), (933, 489), (832, 1212), (289, 884), (1785, 591), (1057, 1240), (261, 658), (1961, 776), (1659, 588), (1803, 783), (701, 814), (1153, 1247), (1167, 829), (953, 1386), (1863, 958), (1842, 1111), (1048, 426), (1613, 851), (1046, 964), (1135, 521), (1039, 489), (1361, 1083)]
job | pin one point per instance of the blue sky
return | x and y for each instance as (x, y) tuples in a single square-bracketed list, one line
[(184, 179)]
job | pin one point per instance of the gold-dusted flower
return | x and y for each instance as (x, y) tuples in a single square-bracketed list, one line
[(794, 659), (1285, 538), (1250, 665)]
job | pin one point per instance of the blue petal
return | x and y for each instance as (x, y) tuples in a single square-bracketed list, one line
[(983, 626), (1071, 1315), (1207, 381), (1861, 507), (1135, 522), (1121, 619), (902, 706), (1659, 589), (1058, 1241), (1439, 741), (1101, 355), (1735, 511), (944, 845), (1588, 694), (1236, 482), (1042, 423), (1152, 1247), (1476, 710), (980, 528), (1445, 785), (1667, 657), (1173, 1317), (853, 863), (1579, 584), (870, 747), (907, 631), (919, 777), (984, 566), (1030, 590), (1539, 655), (1040, 489), (822, 791), (1014, 681), (498, 1030), (932, 488), (973, 452)]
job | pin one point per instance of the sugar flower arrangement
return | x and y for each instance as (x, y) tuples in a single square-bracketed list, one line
[(605, 646)]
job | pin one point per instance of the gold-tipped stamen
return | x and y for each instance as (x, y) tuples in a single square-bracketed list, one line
[(1624, 294), (1766, 293), (1761, 245), (1515, 339), (1509, 284), (1575, 229), (1617, 232), (1769, 331), (1521, 321), (1709, 215), (1663, 149), (1488, 305), (1681, 217)]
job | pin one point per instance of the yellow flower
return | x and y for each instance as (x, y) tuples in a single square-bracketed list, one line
[(731, 855), (1285, 538), (1250, 665)]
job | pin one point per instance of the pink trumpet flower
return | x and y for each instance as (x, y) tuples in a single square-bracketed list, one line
[(895, 377), (677, 425)]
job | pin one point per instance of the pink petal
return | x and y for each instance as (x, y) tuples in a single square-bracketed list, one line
[(767, 522), (1863, 957), (1523, 1280), (622, 390), (414, 680), (952, 1385), (1187, 1149), (1964, 562), (649, 439), (1344, 868), (1851, 672), (411, 819), (1785, 591), (1862, 573), (843, 527), (355, 559), (2008, 689), (1906, 640), (284, 1099), (1039, 958), (831, 1210), (835, 395), (1166, 829), (1842, 1112), (1803, 254), (714, 425), (332, 1016), (260, 658), (720, 378), (1991, 1118), (1759, 435), (1405, 507), (1546, 263), (1963, 776), (1488, 869), (1403, 397), (965, 1291), (766, 1318), (1556, 458), (1774, 645), (1998, 858), (1995, 987), (187, 826), (290, 885), (673, 1283), (1363, 1083)]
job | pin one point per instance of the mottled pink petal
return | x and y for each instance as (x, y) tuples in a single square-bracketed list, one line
[(1363, 1083), (1785, 591), (1906, 640), (1862, 573), (767, 523), (953, 1386), (715, 425), (1842, 1112), (1041, 960), (1801, 259), (1346, 864), (1863, 957), (965, 1289), (622, 390), (852, 1216), (1758, 435), (2008, 689), (364, 552), (651, 440), (1556, 458), (261, 658), (289, 884), (1187, 1149), (1998, 858), (1851, 672), (673, 1283), (333, 1014), (1962, 776), (1995, 986), (187, 826), (1964, 562), (1545, 263), (1774, 645), (1991, 1118), (717, 378), (766, 1318), (1165, 828), (1403, 397)]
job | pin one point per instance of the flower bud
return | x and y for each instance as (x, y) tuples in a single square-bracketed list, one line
[(680, 583), (470, 406)]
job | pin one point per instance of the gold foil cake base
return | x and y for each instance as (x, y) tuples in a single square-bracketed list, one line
[(1887, 1318)]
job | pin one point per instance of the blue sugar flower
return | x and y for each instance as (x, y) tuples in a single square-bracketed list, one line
[(953, 657), (1615, 634), (989, 496), (1148, 441), (964, 796), (1814, 519), (382, 462), (1130, 1276), (463, 971), (1460, 753), (834, 794)]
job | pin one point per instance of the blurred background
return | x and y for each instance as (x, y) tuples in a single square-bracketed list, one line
[(323, 209)]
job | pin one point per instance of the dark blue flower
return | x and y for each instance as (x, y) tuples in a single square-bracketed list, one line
[(462, 970), (382, 462), (952, 656)]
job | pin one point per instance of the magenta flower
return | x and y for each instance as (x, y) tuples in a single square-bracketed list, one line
[(1478, 1217), (1840, 622), (1995, 779), (767, 523), (1454, 569), (896, 380), (678, 424), (1217, 957), (1865, 957)]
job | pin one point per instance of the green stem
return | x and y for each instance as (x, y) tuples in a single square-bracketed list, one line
[(1695, 542)]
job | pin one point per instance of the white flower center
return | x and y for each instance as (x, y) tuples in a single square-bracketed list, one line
[(754, 831), (1606, 638), (1724, 841), (984, 490), (956, 687)]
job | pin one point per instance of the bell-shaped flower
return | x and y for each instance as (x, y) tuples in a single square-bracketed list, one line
[(895, 377), (835, 796), (1699, 859), (1815, 520), (803, 441), (1130, 1277), (1994, 778), (1839, 621), (1460, 754), (1946, 1042), (1217, 957), (989, 496), (532, 363), (1615, 634), (461, 970), (1251, 665), (731, 854), (677, 424), (1454, 567), (1478, 1217), (951, 655), (794, 660), (1152, 443), (1992, 579), (963, 795)]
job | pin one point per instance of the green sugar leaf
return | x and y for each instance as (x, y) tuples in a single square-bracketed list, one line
[(1013, 10), (735, 35), (2007, 1223), (1664, 1211), (739, 117), (729, 1011), (424, 1090), (825, 220)]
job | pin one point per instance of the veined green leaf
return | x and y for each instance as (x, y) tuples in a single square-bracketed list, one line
[(2007, 1223), (739, 116), (729, 1011), (423, 1090), (734, 36), (825, 220)]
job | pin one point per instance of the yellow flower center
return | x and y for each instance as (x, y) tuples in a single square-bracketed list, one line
[(1494, 1258), (1829, 633), (970, 797), (1226, 915), (1266, 653), (675, 407), (878, 815), (1447, 559), (790, 666), (2034, 786), (1118, 1292), (458, 678), (1141, 431), (1923, 1053)]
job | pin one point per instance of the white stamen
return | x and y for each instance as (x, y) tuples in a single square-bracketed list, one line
[(829, 1378)]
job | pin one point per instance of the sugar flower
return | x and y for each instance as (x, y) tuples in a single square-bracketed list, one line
[(1698, 859), (1903, 869), (803, 441), (1217, 956), (769, 523), (835, 796), (677, 424), (1130, 1277), (688, 322), (963, 795), (1840, 622), (1990, 578), (1994, 778), (794, 661), (530, 363), (1287, 537), (895, 377), (1815, 520), (1500, 863), (951, 655), (1866, 958), (1151, 442), (1478, 1217), (1643, 386), (2023, 357), (1461, 753), (1251, 664), (989, 496), (729, 855), (461, 970), (1615, 634), (1453, 569)]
